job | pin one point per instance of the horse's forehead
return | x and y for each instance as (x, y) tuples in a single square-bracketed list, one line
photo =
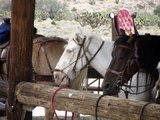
[(77, 38), (72, 44)]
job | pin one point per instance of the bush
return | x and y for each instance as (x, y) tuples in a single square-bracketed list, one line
[(5, 8), (92, 2), (51, 9), (157, 10), (5, 5), (41, 15), (94, 19), (146, 19), (5, 14)]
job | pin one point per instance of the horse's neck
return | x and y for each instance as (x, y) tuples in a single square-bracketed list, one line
[(45, 56), (103, 58), (140, 83)]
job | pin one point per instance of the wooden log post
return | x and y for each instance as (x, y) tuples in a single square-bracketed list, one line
[(3, 89), (83, 102), (20, 66), (3, 94)]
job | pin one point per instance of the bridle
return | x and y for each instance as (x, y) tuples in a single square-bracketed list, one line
[(42, 48), (79, 57), (133, 59), (122, 80)]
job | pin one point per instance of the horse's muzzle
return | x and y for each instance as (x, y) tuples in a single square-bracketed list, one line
[(60, 78)]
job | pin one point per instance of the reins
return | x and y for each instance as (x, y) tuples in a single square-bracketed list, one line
[(132, 58), (93, 56), (53, 102), (136, 93), (142, 109), (97, 103), (43, 48), (79, 52), (46, 56)]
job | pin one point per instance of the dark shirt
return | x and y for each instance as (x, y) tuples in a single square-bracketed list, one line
[(4, 31)]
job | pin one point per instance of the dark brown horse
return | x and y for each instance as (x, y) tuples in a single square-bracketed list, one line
[(129, 55)]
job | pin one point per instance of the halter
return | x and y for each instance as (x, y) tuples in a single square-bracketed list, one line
[(79, 58), (121, 74)]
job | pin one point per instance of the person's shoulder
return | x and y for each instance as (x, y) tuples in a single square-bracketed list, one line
[(7, 20)]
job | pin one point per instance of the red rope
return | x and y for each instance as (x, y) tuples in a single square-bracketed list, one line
[(53, 107)]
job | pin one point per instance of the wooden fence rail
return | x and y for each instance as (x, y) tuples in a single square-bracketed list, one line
[(83, 102)]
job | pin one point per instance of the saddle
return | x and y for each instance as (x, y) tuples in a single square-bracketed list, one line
[(2, 107), (4, 47), (123, 24)]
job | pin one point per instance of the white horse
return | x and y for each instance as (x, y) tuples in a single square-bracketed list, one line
[(85, 48)]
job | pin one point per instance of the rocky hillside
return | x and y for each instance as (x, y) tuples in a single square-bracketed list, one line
[(65, 28), (100, 5)]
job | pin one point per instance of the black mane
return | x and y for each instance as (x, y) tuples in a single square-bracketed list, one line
[(148, 50), (121, 40)]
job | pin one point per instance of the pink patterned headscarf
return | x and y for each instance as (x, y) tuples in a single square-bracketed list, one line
[(125, 21)]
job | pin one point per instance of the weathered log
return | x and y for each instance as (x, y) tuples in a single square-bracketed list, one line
[(4, 87), (84, 102), (2, 109)]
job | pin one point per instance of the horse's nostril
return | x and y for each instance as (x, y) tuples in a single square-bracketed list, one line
[(56, 76)]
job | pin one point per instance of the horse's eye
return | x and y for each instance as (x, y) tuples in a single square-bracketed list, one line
[(69, 50), (124, 54)]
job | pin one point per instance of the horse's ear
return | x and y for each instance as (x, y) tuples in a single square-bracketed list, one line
[(65, 46), (78, 39)]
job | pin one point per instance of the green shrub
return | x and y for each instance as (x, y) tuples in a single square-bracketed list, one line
[(157, 10), (5, 8), (141, 6), (51, 9), (41, 15), (151, 3), (94, 19), (92, 2), (5, 5), (146, 19), (63, 15), (5, 14)]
